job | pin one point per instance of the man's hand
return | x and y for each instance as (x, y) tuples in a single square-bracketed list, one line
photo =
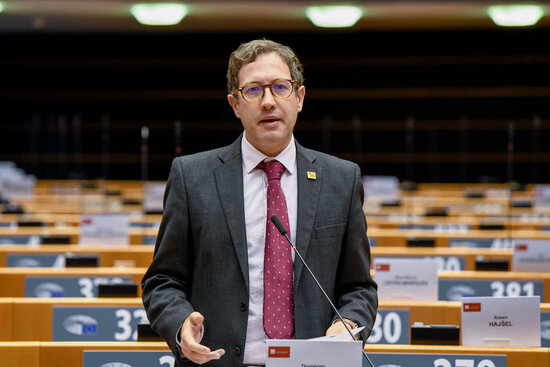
[(338, 327), (189, 341)]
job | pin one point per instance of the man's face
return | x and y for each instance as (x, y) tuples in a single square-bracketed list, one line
[(268, 123)]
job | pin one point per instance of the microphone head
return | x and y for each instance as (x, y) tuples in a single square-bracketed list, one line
[(278, 224)]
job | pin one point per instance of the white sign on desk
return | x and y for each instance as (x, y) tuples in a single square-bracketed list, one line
[(326, 353), (531, 255), (104, 229), (541, 196), (501, 321), (153, 195), (406, 279)]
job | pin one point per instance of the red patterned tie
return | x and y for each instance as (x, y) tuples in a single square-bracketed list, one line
[(278, 303)]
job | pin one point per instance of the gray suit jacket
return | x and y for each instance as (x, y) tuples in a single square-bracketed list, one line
[(201, 262)]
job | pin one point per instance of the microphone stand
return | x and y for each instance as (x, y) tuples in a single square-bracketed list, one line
[(281, 228)]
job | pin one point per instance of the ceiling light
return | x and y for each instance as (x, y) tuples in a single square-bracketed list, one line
[(334, 16), (159, 13), (1, 6), (515, 15)]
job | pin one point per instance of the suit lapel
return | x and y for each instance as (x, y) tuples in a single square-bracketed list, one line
[(229, 181), (308, 199)]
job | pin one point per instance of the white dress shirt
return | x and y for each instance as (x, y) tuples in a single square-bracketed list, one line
[(255, 214)]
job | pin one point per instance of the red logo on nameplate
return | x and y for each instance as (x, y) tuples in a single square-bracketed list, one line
[(471, 307), (279, 352), (521, 247), (382, 267)]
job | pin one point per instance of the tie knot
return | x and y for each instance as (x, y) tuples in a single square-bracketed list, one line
[(273, 170)]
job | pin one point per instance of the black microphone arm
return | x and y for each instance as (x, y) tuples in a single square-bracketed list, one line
[(281, 228)]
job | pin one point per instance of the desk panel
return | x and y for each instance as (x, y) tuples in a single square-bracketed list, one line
[(396, 237), (69, 354), (138, 255), (13, 279), (516, 357), (468, 254), (6, 319), (19, 354), (33, 317), (136, 235)]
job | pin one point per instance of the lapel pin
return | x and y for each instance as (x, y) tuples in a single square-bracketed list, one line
[(311, 175)]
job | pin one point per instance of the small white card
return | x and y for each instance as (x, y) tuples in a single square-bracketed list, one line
[(406, 279), (531, 255), (541, 196), (385, 188), (153, 195), (104, 229), (501, 321), (326, 353)]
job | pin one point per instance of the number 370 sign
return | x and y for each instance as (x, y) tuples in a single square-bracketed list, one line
[(438, 360)]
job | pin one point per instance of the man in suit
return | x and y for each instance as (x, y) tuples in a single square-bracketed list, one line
[(204, 291)]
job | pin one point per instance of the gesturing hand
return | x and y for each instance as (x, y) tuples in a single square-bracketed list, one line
[(189, 341)]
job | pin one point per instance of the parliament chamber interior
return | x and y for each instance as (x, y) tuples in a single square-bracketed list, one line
[(444, 109)]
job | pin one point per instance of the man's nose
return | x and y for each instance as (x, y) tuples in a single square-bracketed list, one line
[(269, 99)]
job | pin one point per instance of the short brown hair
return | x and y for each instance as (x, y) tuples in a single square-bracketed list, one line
[(247, 52)]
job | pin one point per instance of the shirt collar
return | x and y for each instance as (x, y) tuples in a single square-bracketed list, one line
[(252, 156)]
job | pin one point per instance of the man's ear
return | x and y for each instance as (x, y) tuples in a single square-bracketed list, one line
[(301, 95), (234, 104)]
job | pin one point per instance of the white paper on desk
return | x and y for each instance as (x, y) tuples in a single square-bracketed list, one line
[(343, 336), (327, 353)]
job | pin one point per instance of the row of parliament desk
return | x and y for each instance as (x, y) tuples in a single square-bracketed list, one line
[(31, 319), (108, 256), (380, 236), (141, 255), (70, 354), (15, 280)]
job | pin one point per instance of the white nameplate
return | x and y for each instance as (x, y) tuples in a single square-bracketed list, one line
[(384, 188), (501, 321), (541, 196), (292, 352), (531, 255), (153, 195), (406, 279), (104, 229)]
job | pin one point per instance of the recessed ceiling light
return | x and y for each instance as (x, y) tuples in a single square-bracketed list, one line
[(515, 15), (159, 13), (334, 16)]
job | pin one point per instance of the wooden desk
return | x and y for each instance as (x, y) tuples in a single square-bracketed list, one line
[(20, 354), (135, 234), (109, 256), (501, 276), (33, 317), (516, 357), (70, 354), (6, 319), (464, 221), (13, 279), (469, 254), (438, 312), (398, 237), (71, 220)]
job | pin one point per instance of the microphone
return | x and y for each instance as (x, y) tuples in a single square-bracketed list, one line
[(281, 228)]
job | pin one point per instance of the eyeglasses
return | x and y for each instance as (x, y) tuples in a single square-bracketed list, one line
[(254, 92)]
